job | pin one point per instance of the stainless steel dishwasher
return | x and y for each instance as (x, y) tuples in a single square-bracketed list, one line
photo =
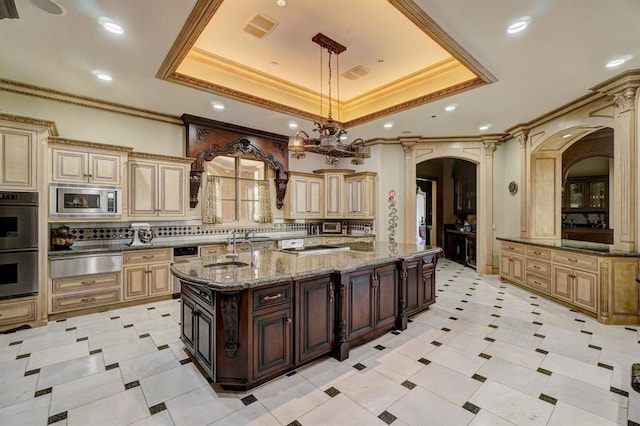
[(182, 253)]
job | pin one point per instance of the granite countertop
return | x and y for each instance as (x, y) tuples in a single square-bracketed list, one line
[(274, 266), (583, 247), (120, 246), (455, 231)]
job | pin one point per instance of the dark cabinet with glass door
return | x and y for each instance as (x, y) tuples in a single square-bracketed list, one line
[(586, 195)]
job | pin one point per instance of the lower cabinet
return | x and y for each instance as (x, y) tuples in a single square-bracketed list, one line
[(315, 315), (512, 262), (418, 281), (198, 328), (575, 286), (14, 312), (85, 291), (371, 302), (147, 273)]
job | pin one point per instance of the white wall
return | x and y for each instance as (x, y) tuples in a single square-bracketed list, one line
[(94, 125), (506, 207)]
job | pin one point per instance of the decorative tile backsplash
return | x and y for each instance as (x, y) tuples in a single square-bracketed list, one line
[(118, 231)]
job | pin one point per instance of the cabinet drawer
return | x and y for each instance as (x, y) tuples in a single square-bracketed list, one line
[(310, 242), (212, 250), (147, 256), (17, 311), (333, 240), (538, 253), (85, 300), (586, 263), (508, 247), (263, 298), (85, 282), (539, 283), (539, 268)]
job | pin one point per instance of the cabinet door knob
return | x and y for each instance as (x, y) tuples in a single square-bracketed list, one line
[(289, 320), (88, 299)]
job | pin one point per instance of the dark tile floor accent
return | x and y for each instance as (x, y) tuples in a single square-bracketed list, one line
[(546, 398), (379, 347), (249, 399), (332, 392), (395, 332), (82, 339), (157, 408), (479, 378), (537, 323), (127, 326), (471, 407), (542, 351), (31, 372), (359, 366), (295, 423), (445, 329), (490, 339), (43, 392), (56, 418), (436, 343), (492, 326), (162, 347), (387, 417), (23, 356), (483, 355), (291, 373), (539, 335), (111, 366), (598, 348), (543, 371), (586, 332), (424, 361), (95, 351), (70, 329), (409, 385), (114, 318), (185, 361), (17, 342), (619, 391), (142, 336), (608, 367), (132, 385)]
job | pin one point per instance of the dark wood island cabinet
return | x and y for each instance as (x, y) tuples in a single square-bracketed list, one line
[(245, 325)]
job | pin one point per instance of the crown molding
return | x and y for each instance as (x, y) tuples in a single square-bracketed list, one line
[(88, 144), (49, 125)]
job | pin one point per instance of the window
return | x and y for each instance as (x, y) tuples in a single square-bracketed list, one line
[(240, 187)]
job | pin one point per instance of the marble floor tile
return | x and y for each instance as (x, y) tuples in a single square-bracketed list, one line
[(326, 372), (457, 360), (574, 336), (517, 325), (515, 354), (516, 377), (565, 414), (31, 412), (372, 390), (525, 341), (416, 348), (161, 323), (336, 411), (76, 321), (186, 409), (512, 405), (178, 350), (587, 397), (396, 366), (13, 370), (471, 328), (138, 315), (634, 406), (95, 328), (85, 390), (163, 418), (57, 355), (570, 350), (253, 414), (166, 336), (289, 398), (9, 353), (444, 382), (120, 335), (68, 371), (18, 390), (588, 373), (472, 344), (627, 346), (485, 418), (147, 365), (47, 341), (128, 349), (421, 407), (123, 408), (166, 385)]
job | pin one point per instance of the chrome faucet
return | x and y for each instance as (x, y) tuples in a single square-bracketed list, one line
[(251, 256), (231, 238)]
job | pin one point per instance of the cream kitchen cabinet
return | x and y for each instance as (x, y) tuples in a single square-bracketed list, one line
[(334, 201), (157, 189), (86, 162), (360, 195), (147, 273), (575, 279), (304, 198), (512, 262), (84, 292), (18, 153)]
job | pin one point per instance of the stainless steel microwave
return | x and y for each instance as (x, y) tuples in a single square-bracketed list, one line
[(332, 227), (71, 200)]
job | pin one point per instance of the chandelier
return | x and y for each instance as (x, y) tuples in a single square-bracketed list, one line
[(331, 136)]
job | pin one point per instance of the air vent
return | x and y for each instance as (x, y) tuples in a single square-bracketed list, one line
[(259, 25), (356, 73)]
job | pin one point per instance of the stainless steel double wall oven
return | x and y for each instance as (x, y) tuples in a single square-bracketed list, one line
[(18, 244)]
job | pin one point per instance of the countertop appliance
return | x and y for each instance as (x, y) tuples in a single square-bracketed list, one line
[(142, 234), (332, 227), (297, 247), (72, 200), (18, 244)]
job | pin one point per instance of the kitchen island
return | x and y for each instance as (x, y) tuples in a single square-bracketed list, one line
[(250, 318)]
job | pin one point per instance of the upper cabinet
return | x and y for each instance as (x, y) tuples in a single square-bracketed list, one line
[(586, 194), (333, 195), (87, 162), (157, 187), (464, 188), (18, 151), (304, 196), (360, 195)]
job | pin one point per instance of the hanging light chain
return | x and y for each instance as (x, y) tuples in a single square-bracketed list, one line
[(330, 54)]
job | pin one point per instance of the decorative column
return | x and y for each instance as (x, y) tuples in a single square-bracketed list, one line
[(623, 88), (409, 216), (484, 233), (523, 137)]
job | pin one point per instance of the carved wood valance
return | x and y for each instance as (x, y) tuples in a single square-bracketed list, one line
[(207, 139), (597, 144)]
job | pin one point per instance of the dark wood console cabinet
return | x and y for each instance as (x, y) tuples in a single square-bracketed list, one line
[(418, 281), (460, 246)]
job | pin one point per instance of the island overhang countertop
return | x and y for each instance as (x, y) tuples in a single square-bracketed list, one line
[(270, 266)]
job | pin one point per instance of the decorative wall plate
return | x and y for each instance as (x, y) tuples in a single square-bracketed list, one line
[(513, 187)]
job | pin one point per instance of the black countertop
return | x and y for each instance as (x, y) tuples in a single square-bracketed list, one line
[(573, 246)]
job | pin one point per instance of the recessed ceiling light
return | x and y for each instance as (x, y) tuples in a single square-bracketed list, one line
[(217, 105), (380, 61), (388, 125), (566, 135), (293, 125), (484, 127), (103, 75), (450, 108), (519, 25), (109, 25), (49, 6), (281, 3), (274, 64), (617, 62)]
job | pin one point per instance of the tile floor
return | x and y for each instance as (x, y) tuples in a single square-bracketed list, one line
[(486, 353)]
